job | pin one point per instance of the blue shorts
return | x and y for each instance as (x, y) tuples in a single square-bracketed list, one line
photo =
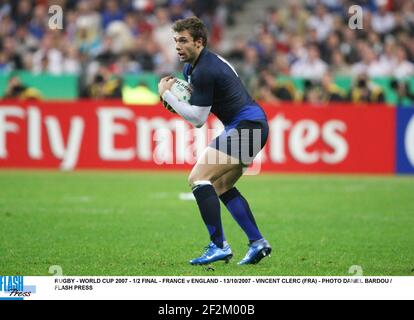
[(243, 139)]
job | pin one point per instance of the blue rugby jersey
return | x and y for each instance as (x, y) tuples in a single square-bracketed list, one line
[(215, 83)]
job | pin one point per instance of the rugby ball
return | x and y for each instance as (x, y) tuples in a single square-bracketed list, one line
[(182, 90)]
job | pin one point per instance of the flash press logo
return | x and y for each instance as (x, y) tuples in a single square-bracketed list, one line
[(12, 288)]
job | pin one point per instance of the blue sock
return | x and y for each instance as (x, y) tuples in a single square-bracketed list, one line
[(209, 205), (240, 210)]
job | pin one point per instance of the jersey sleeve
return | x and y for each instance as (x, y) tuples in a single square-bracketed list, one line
[(203, 89)]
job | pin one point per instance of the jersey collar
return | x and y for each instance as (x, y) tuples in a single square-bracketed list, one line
[(202, 53)]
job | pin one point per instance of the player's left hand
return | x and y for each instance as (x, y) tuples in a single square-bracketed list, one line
[(165, 84)]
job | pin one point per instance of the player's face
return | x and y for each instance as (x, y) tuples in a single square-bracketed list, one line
[(187, 49)]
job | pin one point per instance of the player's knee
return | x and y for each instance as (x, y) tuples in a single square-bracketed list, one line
[(195, 180), (219, 187), (222, 186), (190, 181)]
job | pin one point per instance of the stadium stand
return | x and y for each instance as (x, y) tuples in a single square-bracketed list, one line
[(302, 45)]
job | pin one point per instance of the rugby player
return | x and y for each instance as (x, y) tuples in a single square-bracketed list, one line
[(217, 89)]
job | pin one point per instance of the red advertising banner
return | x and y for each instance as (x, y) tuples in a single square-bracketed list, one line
[(110, 135)]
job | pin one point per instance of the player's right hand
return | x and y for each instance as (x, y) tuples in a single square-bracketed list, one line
[(165, 84)]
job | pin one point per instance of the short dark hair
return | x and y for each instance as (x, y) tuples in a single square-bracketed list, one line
[(195, 28)]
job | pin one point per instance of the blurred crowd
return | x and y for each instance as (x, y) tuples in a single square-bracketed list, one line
[(101, 41), (313, 40)]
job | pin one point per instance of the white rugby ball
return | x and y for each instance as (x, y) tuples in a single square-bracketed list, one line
[(182, 90)]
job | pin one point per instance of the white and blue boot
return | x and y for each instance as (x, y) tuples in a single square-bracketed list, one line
[(214, 253), (257, 251)]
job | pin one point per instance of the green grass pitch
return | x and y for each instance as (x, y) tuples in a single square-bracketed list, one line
[(133, 223)]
